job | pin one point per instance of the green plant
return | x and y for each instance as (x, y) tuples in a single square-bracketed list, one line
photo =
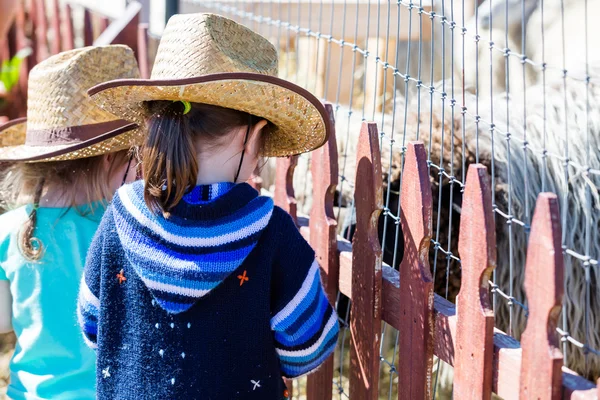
[(9, 70)]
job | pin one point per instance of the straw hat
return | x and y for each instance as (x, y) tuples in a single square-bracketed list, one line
[(62, 122), (209, 59)]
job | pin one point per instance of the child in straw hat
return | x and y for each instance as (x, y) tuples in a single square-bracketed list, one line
[(68, 158), (199, 287)]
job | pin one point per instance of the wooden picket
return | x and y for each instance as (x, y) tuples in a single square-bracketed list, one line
[(54, 32), (366, 268), (284, 197), (284, 185), (475, 331), (542, 360), (324, 170), (415, 304)]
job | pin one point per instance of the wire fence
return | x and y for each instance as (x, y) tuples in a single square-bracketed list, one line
[(506, 83)]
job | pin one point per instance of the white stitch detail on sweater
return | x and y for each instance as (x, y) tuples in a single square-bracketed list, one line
[(161, 352), (106, 373), (182, 355), (189, 325), (157, 325), (172, 325), (255, 383), (172, 381)]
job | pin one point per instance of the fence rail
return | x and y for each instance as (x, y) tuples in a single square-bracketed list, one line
[(486, 359)]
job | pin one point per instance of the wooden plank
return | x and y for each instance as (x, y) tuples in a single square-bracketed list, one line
[(365, 313), (123, 30), (323, 233), (506, 363), (284, 185), (41, 29), (69, 34), (284, 197), (88, 28), (415, 344), (57, 37), (142, 54), (544, 271), (477, 248), (22, 42)]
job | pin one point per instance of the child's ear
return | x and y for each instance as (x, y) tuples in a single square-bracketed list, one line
[(253, 144), (108, 158)]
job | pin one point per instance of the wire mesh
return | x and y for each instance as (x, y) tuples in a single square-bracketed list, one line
[(506, 83)]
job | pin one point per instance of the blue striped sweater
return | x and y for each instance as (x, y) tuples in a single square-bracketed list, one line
[(218, 301)]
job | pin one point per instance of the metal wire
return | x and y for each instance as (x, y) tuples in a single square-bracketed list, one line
[(377, 69)]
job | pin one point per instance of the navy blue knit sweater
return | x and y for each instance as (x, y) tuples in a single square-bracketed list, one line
[(218, 301)]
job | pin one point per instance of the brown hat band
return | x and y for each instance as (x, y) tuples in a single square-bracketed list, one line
[(71, 134)]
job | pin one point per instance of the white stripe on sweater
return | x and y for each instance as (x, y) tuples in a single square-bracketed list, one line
[(331, 323), (87, 294), (194, 241), (300, 295), (88, 342), (165, 287)]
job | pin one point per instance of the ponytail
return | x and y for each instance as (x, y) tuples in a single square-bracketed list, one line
[(168, 159), (31, 247)]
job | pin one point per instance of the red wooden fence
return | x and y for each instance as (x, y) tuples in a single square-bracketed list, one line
[(48, 35), (486, 360)]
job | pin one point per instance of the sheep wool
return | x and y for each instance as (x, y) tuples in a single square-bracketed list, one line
[(219, 301)]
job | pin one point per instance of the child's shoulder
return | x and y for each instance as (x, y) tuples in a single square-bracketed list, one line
[(281, 220)]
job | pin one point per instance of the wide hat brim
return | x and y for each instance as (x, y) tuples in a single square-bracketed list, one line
[(14, 149), (300, 119)]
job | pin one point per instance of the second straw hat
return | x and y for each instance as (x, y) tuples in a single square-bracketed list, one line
[(62, 122), (210, 59)]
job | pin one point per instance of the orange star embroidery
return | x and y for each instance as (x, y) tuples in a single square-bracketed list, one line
[(121, 277), (243, 278)]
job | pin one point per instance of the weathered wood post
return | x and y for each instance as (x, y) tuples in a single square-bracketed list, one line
[(415, 347), (142, 54), (541, 373), (323, 239), (284, 185), (475, 332), (69, 37), (56, 45), (284, 197), (88, 28), (41, 30), (365, 315)]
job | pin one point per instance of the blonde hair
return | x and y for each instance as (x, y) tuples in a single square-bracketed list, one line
[(24, 183)]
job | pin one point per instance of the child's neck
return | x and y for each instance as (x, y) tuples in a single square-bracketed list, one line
[(220, 167)]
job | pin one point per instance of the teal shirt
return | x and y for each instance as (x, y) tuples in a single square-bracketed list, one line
[(51, 360)]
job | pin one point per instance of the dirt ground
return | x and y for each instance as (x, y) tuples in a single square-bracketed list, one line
[(7, 345)]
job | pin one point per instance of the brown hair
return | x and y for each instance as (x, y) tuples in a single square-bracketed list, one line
[(169, 161), (24, 183)]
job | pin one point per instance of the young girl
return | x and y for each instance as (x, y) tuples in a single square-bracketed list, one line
[(196, 287), (69, 157)]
